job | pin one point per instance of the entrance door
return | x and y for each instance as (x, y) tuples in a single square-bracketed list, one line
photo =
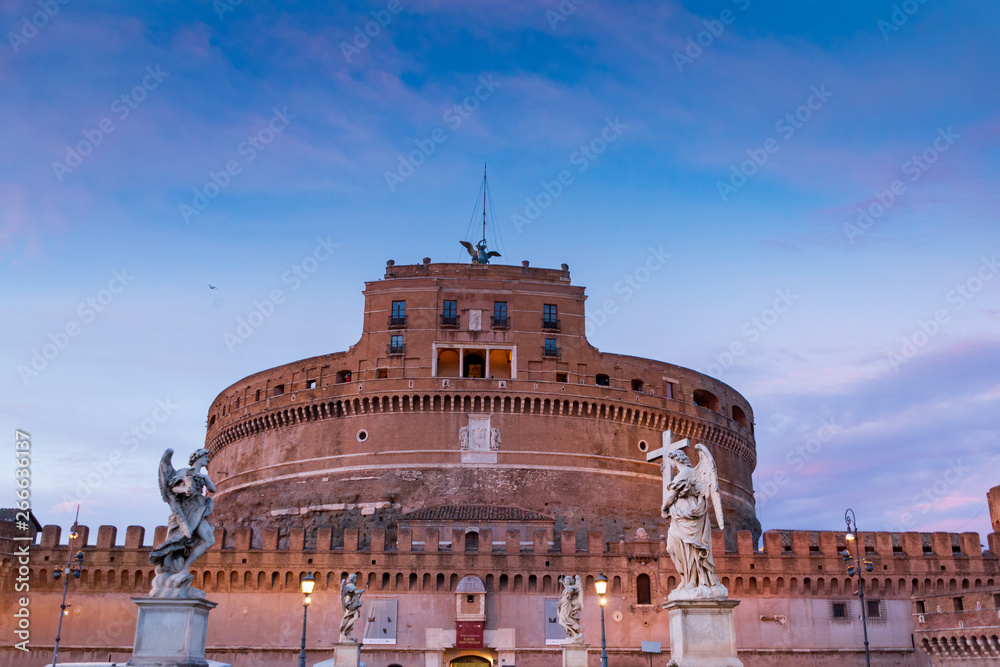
[(470, 661)]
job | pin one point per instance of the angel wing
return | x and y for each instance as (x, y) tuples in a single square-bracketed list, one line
[(492, 253), (468, 246), (166, 477), (708, 476)]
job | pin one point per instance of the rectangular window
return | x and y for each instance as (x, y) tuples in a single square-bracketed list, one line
[(551, 350), (921, 607), (838, 611), (381, 373), (500, 314), (562, 377), (449, 313), (396, 344), (996, 600), (550, 316), (958, 604), (257, 395), (380, 622), (398, 316), (874, 609), (278, 390), (310, 384)]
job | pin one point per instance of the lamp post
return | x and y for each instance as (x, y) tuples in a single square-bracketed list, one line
[(307, 584), (601, 587), (854, 566), (73, 569)]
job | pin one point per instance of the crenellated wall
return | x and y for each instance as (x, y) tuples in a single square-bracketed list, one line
[(786, 589)]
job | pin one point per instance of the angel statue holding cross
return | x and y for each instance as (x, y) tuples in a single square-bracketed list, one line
[(686, 499)]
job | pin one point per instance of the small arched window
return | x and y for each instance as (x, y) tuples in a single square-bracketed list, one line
[(643, 595), (739, 415), (472, 541), (706, 399)]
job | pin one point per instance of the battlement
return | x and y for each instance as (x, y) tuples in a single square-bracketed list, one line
[(476, 271), (782, 544)]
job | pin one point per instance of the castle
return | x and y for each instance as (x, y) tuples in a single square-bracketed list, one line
[(471, 448)]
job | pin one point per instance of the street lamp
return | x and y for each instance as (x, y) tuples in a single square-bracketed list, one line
[(307, 583), (601, 587), (854, 567), (73, 569)]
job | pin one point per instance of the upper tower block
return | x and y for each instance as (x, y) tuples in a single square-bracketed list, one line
[(477, 321)]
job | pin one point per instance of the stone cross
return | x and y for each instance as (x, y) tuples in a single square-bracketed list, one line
[(665, 466)]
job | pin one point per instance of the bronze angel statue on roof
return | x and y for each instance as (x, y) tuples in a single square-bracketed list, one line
[(190, 533), (686, 501), (478, 253)]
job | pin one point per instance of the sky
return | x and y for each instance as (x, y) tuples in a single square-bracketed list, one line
[(821, 179)]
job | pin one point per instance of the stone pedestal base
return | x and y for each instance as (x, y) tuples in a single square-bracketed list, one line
[(702, 633), (575, 655), (345, 654), (171, 632)]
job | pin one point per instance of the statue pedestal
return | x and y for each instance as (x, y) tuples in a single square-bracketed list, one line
[(345, 654), (575, 655), (702, 633), (171, 632)]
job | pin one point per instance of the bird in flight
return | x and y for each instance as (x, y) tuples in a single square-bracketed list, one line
[(210, 286)]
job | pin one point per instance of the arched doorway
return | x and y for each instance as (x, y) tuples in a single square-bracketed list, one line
[(475, 365), (470, 661)]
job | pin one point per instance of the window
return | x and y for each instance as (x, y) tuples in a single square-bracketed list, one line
[(381, 373), (996, 600), (636, 384), (562, 377), (958, 604), (396, 344), (921, 607), (380, 622), (310, 384), (874, 609), (343, 376), (471, 543), (838, 611), (398, 317), (449, 313), (500, 314), (550, 316), (642, 591), (257, 396), (550, 349), (602, 380), (278, 390), (706, 399)]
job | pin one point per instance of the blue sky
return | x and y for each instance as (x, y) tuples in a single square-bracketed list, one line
[(837, 162)]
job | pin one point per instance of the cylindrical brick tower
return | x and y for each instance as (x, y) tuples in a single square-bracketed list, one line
[(470, 385)]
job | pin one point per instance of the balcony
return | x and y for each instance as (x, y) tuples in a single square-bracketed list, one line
[(551, 351), (395, 349), (551, 325), (449, 321), (397, 322), (500, 322)]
